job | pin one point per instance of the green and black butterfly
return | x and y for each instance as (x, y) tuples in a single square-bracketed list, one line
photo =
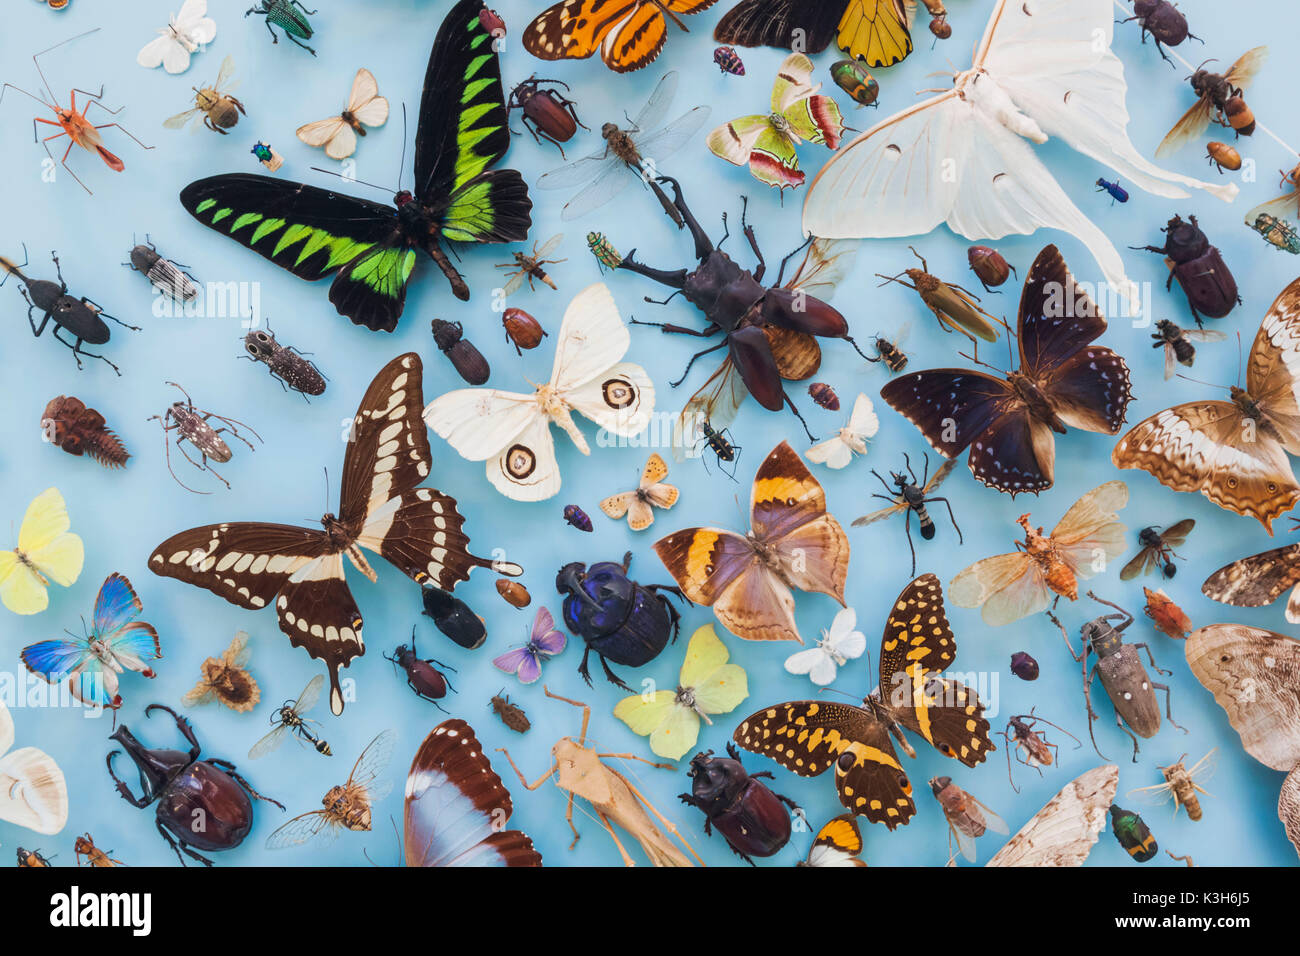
[(314, 232)]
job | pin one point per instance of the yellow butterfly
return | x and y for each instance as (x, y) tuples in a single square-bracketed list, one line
[(707, 685), (47, 551)]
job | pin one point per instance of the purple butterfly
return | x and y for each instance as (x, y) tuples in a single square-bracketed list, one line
[(526, 662)]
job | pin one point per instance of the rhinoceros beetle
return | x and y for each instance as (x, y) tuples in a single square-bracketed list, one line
[(201, 803), (621, 620), (1199, 268), (749, 815)]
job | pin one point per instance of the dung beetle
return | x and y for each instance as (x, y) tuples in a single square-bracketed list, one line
[(454, 617), (748, 815), (201, 803), (1199, 268), (469, 361), (427, 681), (546, 111), (989, 266), (621, 620)]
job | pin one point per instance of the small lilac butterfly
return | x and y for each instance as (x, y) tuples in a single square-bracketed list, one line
[(526, 662)]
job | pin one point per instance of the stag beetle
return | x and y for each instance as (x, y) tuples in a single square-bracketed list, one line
[(737, 304), (622, 621), (1123, 675), (82, 318), (203, 803), (748, 815), (1199, 269)]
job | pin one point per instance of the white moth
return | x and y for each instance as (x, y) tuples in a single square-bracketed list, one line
[(838, 451), (338, 134), (838, 646), (184, 34)]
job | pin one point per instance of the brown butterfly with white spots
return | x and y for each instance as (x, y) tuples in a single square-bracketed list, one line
[(417, 530), (810, 736), (651, 493)]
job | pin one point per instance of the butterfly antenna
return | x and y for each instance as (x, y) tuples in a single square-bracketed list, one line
[(327, 490), (1240, 359), (835, 690), (1199, 381), (55, 47), (352, 179), (403, 166)]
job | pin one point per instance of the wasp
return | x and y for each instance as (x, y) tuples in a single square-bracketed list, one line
[(912, 495)]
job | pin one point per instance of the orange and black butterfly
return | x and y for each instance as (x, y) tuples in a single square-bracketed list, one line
[(810, 736), (628, 33)]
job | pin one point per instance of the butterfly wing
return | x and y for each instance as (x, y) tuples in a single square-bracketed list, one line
[(1259, 580), (777, 23), (587, 373), (334, 134), (575, 29), (646, 714), (1271, 376), (719, 687), (50, 548), (166, 52), (1006, 587), (875, 31), (838, 843), (1288, 807), (1090, 535), (735, 141), (193, 21), (1065, 830), (816, 662), (364, 101)]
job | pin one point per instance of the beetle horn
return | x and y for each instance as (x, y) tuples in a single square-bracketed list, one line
[(154, 773)]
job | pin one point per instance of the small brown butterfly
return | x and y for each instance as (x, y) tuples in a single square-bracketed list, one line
[(652, 493)]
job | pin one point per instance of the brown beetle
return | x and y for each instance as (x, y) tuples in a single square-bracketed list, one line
[(427, 681), (824, 396), (469, 361), (989, 266), (546, 111), (512, 715), (522, 329), (1223, 156), (85, 846), (953, 306), (514, 592)]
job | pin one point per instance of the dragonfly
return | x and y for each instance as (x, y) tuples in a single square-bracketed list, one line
[(289, 720), (641, 148)]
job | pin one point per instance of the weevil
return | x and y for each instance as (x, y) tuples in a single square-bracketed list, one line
[(582, 772), (1124, 677), (82, 318), (284, 362), (291, 21), (168, 277), (1032, 748), (192, 424)]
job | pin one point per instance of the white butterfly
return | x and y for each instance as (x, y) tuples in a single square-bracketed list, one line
[(850, 440), (837, 647), (1044, 67), (338, 134), (33, 792), (512, 431), (186, 32)]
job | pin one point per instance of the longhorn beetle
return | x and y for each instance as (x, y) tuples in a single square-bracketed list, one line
[(192, 424)]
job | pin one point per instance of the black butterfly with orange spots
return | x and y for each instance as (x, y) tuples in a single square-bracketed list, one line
[(809, 736)]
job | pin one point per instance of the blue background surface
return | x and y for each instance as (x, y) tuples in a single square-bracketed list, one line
[(122, 515)]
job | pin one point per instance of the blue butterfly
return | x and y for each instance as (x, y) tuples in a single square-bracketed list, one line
[(117, 642)]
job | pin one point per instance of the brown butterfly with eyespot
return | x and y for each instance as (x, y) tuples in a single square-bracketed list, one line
[(808, 737), (1234, 452), (747, 578), (651, 493)]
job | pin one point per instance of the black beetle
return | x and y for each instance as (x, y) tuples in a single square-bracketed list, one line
[(427, 681), (469, 361), (622, 621), (83, 318), (203, 803), (1164, 21), (748, 815), (454, 617), (167, 276), (1199, 268), (546, 110)]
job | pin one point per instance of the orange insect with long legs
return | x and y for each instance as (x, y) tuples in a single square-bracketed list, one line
[(73, 123)]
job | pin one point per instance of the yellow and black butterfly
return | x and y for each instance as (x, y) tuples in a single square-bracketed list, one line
[(628, 33), (877, 31), (810, 736)]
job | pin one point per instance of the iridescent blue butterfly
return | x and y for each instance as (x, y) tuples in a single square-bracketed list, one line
[(117, 642)]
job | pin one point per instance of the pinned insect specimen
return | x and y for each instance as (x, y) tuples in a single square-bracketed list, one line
[(1218, 95), (544, 641), (911, 494), (1064, 832), (877, 31), (512, 715), (74, 124), (47, 553), (186, 33), (220, 110), (1032, 748), (1259, 580), (752, 818), (54, 4), (1117, 192), (824, 395), (581, 771), (838, 645), (1158, 550), (290, 16), (95, 857), (989, 267), (422, 677), (530, 266), (651, 492), (1177, 343), (1180, 783), (1286, 205), (967, 817), (226, 679), (513, 593), (32, 858), (338, 134), (167, 277), (267, 156), (454, 617), (575, 517), (1133, 834), (953, 306), (1202, 274), (78, 430), (852, 77), (838, 843), (719, 443), (1277, 232), (194, 425), (607, 257), (1012, 586), (348, 806), (729, 61), (1223, 156), (838, 451), (288, 721), (1024, 666), (464, 355), (33, 791), (81, 318), (1164, 22), (1167, 616), (639, 149), (627, 38), (547, 113), (890, 351), (284, 363)]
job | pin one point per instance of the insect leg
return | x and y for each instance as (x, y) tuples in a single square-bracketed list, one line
[(520, 774), (1119, 722), (667, 824), (209, 468), (231, 423), (1092, 715), (267, 21), (780, 273), (304, 9), (753, 240), (1066, 637), (99, 311), (167, 455), (708, 331), (951, 516), (128, 132), (229, 768), (36, 331), (883, 482), (1151, 657), (789, 402), (586, 713), (604, 821), (1008, 748), (1168, 704), (687, 371), (295, 40), (176, 847), (611, 676), (661, 766), (907, 526)]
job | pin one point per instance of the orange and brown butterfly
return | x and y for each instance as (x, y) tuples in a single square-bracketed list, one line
[(628, 33), (1234, 452), (838, 843), (808, 737), (747, 578), (651, 493), (1008, 587)]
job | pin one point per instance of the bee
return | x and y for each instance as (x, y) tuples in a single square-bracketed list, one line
[(890, 351), (1177, 343), (220, 110), (1158, 550)]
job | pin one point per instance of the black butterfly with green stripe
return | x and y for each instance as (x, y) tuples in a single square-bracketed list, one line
[(372, 247)]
